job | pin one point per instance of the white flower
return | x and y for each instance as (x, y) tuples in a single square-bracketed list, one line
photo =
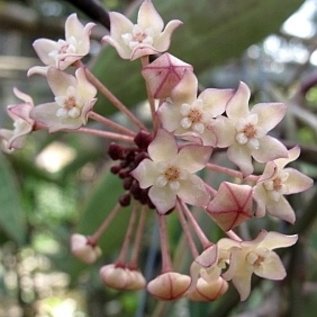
[(63, 53), (170, 173), (74, 98), (147, 37)]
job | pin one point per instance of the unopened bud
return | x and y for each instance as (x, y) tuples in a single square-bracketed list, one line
[(164, 74), (169, 286), (208, 291), (115, 277), (84, 251)]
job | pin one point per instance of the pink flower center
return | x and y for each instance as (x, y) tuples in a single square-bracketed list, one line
[(195, 115), (172, 174), (249, 131)]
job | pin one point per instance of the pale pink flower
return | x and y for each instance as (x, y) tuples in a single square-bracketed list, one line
[(74, 98), (22, 122), (63, 53), (164, 74), (245, 131), (231, 206), (147, 37), (169, 172), (169, 286), (187, 115), (83, 250), (277, 181), (257, 257)]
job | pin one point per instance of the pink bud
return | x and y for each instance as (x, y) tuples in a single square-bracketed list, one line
[(137, 281), (169, 286), (84, 251), (164, 74), (208, 291), (115, 277)]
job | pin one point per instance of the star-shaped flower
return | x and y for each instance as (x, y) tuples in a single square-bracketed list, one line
[(245, 131), (63, 53), (22, 122), (277, 181), (190, 116), (147, 37), (74, 98), (257, 257), (170, 173)]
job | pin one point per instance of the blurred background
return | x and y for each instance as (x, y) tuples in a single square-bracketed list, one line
[(56, 185)]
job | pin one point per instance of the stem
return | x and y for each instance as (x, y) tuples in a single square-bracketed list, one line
[(232, 235), (224, 170), (145, 62), (112, 98), (166, 259), (104, 134), (127, 238), (200, 234), (93, 239), (211, 190), (187, 232), (138, 240), (109, 123)]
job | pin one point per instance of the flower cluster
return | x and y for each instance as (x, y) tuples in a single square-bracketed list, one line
[(163, 167)]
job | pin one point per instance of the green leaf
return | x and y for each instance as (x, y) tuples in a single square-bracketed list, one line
[(213, 32), (12, 217)]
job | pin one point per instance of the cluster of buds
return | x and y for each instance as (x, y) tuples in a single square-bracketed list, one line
[(158, 164)]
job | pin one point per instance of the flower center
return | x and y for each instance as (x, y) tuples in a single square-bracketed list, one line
[(193, 116), (249, 131), (70, 105), (63, 49), (256, 257), (276, 186), (137, 36), (172, 174)]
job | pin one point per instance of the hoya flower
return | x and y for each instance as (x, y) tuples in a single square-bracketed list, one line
[(147, 37), (169, 286), (63, 53), (74, 98), (83, 249), (277, 181), (186, 114), (22, 122), (245, 131), (169, 173), (164, 73), (257, 256)]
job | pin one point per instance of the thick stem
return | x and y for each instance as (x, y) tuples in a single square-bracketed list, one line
[(112, 98), (200, 234), (187, 232), (93, 239), (125, 245), (105, 134), (133, 264), (110, 124), (166, 259), (145, 62)]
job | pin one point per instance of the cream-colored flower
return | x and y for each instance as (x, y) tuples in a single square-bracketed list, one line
[(147, 37)]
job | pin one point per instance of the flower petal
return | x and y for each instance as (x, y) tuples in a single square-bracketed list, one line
[(163, 198), (224, 130), (274, 240), (269, 114), (281, 209), (270, 149), (59, 81), (272, 268), (85, 89), (215, 100), (238, 106), (241, 156), (193, 158), (193, 191), (163, 147), (186, 90), (146, 173), (148, 17), (43, 47), (170, 116), (297, 182)]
